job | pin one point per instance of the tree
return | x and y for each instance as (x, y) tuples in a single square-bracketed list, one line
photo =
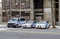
[(53, 15)]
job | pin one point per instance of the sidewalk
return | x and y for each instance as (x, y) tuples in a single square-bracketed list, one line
[(58, 27), (4, 25)]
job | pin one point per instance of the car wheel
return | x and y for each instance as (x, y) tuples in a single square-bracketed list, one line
[(13, 26), (24, 27), (46, 27), (8, 26), (32, 26), (18, 26), (49, 26)]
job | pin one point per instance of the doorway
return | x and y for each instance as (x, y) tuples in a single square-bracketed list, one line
[(56, 11), (38, 9)]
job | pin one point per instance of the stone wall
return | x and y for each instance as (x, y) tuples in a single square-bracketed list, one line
[(32, 11), (47, 10), (59, 12), (0, 14)]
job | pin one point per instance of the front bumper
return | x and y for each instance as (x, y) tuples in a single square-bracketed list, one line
[(11, 25), (26, 26), (39, 26)]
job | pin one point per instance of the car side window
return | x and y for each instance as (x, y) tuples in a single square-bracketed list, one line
[(22, 19), (34, 22), (47, 22)]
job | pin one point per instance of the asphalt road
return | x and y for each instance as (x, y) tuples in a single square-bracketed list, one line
[(18, 33)]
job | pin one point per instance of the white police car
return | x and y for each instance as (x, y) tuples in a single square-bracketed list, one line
[(29, 24), (43, 25), (16, 22)]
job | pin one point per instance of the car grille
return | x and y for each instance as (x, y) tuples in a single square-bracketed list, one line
[(10, 23)]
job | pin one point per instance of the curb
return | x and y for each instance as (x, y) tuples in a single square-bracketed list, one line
[(3, 25), (57, 27)]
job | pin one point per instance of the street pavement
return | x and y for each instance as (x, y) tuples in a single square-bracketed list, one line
[(19, 33), (3, 25)]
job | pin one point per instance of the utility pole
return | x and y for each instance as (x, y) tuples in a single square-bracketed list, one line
[(6, 9), (53, 14), (20, 8)]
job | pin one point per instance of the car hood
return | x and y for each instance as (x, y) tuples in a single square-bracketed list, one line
[(41, 24), (12, 21), (27, 24)]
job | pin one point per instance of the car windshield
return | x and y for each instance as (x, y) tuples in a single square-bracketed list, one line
[(14, 19), (22, 19)]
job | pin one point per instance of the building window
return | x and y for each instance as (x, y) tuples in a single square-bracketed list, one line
[(6, 4), (56, 3), (4, 17), (25, 14), (38, 4), (13, 4), (17, 4), (15, 13), (25, 4)]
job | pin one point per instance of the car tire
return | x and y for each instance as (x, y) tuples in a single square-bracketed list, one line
[(14, 26), (46, 27), (49, 27), (32, 26), (8, 26), (24, 27), (17, 26)]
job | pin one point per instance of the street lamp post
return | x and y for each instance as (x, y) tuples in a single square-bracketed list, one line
[(53, 15)]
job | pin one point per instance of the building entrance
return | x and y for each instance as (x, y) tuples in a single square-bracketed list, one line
[(56, 11), (38, 10)]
